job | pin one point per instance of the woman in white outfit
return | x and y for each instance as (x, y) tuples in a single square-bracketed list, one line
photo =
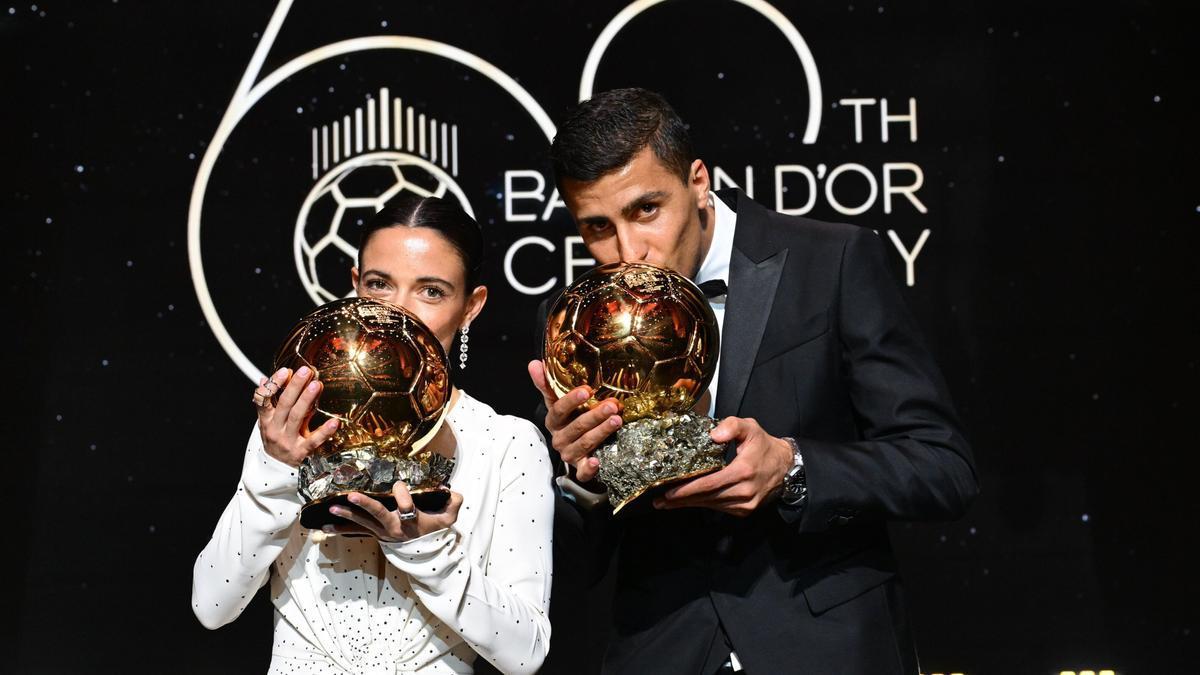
[(425, 592)]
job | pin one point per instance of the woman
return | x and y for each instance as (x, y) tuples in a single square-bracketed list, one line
[(427, 591)]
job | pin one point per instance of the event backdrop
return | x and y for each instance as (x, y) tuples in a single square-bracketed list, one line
[(184, 180)]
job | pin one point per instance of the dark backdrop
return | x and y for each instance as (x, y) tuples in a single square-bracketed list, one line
[(1057, 283)]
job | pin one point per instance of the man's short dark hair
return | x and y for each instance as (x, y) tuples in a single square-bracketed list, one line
[(604, 133)]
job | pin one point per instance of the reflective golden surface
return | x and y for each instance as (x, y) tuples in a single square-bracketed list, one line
[(386, 378), (635, 332), (384, 373)]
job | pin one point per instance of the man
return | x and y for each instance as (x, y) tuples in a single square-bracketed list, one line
[(780, 562)]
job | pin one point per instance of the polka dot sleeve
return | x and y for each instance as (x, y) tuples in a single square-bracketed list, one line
[(255, 526), (496, 601)]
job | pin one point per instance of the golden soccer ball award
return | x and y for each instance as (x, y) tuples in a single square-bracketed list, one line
[(386, 379), (645, 336)]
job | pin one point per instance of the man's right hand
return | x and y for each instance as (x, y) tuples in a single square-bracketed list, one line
[(574, 434)]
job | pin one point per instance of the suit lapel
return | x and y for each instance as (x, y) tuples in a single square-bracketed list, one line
[(752, 286)]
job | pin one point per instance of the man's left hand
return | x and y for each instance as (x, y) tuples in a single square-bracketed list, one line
[(751, 479)]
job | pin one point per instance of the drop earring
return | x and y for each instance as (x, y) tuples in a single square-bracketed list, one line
[(462, 347)]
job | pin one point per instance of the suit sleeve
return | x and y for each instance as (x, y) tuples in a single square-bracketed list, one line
[(540, 410), (585, 536), (912, 462)]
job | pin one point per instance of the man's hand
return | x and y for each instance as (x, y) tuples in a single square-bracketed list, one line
[(372, 517), (573, 434), (747, 482)]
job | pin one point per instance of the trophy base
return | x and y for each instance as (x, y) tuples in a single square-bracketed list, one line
[(642, 500), (316, 515), (653, 453)]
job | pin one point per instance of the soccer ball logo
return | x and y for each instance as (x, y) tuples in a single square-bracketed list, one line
[(344, 199), (635, 332)]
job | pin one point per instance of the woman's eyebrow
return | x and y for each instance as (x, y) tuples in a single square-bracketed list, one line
[(437, 280)]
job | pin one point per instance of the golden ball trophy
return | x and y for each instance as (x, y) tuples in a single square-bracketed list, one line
[(645, 336), (386, 379)]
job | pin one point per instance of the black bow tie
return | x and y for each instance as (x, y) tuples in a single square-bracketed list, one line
[(714, 288)]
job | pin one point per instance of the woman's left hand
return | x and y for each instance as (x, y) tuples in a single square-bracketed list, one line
[(373, 518)]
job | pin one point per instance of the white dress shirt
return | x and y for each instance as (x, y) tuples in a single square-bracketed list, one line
[(427, 605), (716, 266)]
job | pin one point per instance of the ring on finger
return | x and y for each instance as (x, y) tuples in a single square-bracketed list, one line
[(406, 515), (260, 400), (271, 386)]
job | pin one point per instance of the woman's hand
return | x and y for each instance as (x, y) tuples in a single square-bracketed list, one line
[(372, 517), (284, 423)]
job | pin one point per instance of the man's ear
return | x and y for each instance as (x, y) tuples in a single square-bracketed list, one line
[(698, 182)]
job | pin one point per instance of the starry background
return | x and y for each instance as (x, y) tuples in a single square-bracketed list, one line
[(1058, 289)]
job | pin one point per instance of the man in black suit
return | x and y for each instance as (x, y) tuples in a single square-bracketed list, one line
[(780, 562)]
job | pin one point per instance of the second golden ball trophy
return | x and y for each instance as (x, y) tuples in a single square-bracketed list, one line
[(645, 336), (386, 379)]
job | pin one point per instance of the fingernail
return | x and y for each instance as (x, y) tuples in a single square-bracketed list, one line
[(658, 503), (313, 386), (337, 510), (593, 462), (303, 372), (281, 372), (614, 421), (331, 424), (581, 396), (327, 529)]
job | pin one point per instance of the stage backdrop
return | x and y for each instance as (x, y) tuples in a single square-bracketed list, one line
[(183, 181)]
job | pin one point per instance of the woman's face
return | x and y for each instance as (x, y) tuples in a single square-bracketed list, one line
[(420, 270)]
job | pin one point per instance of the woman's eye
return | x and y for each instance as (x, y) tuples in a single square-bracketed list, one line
[(376, 284), (433, 292)]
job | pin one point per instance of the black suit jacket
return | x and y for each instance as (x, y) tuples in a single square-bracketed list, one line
[(824, 350)]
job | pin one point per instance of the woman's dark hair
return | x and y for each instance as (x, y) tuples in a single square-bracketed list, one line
[(604, 133), (445, 216)]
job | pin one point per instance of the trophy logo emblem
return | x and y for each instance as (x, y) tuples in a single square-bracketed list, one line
[(385, 147), (313, 141)]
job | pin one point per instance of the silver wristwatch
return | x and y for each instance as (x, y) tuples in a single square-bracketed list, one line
[(795, 483)]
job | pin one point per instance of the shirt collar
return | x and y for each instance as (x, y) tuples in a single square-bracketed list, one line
[(716, 261)]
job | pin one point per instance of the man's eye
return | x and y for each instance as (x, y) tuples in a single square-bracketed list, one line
[(648, 209), (600, 227)]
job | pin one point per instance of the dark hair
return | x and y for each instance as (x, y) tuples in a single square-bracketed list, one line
[(604, 133), (445, 216)]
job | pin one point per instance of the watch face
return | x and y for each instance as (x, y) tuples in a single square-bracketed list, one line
[(794, 488), (794, 475), (794, 495)]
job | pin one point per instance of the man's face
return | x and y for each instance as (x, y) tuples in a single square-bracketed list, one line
[(644, 212)]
